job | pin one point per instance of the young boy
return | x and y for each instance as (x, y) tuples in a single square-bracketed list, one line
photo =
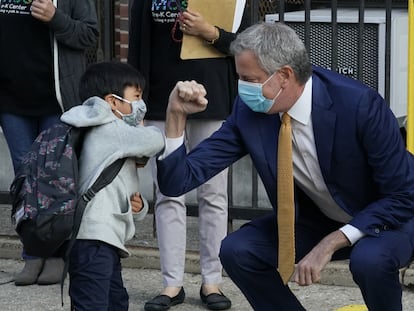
[(113, 109)]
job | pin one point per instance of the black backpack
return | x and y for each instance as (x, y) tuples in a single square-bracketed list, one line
[(47, 207)]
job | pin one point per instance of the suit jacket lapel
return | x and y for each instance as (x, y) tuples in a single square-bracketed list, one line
[(269, 131), (324, 121)]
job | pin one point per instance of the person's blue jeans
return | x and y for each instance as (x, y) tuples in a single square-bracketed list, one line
[(20, 132), (95, 277)]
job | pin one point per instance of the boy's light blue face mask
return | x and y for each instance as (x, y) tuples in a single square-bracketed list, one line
[(252, 95), (139, 109)]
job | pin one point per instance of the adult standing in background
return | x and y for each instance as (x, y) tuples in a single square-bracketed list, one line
[(155, 37), (43, 46)]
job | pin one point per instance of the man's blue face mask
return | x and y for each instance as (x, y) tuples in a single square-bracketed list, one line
[(252, 95)]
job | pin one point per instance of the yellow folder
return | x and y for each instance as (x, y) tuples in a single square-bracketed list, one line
[(217, 12)]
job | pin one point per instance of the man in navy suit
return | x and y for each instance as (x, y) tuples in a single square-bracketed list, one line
[(354, 179)]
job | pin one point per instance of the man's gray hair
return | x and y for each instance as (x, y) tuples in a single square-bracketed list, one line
[(275, 45)]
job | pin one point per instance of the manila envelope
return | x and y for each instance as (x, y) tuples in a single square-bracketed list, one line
[(217, 12)]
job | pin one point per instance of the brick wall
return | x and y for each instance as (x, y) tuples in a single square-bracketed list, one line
[(121, 30)]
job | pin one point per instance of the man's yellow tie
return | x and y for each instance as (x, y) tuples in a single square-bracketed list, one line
[(285, 202)]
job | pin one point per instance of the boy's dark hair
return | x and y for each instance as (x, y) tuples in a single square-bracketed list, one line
[(105, 78)]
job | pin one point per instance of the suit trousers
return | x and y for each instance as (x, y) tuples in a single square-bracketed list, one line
[(249, 256), (170, 217)]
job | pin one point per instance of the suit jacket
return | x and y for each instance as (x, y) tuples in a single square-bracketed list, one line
[(361, 153)]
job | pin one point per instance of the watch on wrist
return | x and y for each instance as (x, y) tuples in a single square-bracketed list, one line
[(212, 41)]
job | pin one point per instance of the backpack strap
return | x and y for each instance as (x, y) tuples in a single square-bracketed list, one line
[(106, 177)]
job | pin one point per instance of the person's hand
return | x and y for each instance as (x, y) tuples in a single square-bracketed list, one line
[(193, 23), (187, 97), (43, 10), (136, 202), (308, 270)]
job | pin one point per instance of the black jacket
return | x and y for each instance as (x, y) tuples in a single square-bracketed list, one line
[(47, 81), (153, 52)]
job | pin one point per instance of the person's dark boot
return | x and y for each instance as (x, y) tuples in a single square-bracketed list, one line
[(30, 272), (52, 271)]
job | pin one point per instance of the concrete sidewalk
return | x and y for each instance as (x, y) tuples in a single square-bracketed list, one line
[(143, 278), (142, 284)]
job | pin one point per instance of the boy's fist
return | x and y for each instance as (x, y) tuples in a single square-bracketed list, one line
[(136, 202)]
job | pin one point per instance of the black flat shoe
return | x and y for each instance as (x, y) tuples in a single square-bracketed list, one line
[(164, 302), (215, 301)]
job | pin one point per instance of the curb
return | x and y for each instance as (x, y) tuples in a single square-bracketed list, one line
[(335, 273)]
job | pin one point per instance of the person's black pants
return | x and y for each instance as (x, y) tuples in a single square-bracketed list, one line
[(95, 277)]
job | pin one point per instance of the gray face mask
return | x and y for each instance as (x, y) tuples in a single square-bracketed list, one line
[(138, 111)]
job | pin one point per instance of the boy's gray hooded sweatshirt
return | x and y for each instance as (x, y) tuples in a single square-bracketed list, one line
[(108, 216)]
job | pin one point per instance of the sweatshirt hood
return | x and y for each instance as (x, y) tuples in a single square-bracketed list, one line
[(94, 111)]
